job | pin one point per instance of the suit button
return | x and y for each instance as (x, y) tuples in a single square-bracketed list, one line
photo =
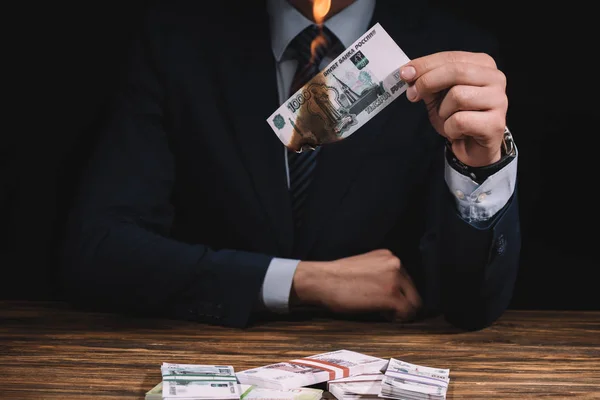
[(500, 244)]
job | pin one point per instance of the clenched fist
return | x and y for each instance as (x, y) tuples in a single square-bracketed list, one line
[(370, 282)]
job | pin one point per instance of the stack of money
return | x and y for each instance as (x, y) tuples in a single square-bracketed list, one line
[(255, 393), (359, 387), (311, 370), (210, 382), (403, 380)]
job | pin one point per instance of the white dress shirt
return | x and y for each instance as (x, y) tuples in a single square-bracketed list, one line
[(475, 202)]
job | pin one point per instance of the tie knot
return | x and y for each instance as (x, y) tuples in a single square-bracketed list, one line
[(310, 47), (312, 44)]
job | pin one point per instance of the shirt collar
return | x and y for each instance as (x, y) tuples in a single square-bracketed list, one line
[(286, 22)]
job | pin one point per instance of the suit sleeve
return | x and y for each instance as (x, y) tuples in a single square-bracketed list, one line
[(476, 264), (119, 255)]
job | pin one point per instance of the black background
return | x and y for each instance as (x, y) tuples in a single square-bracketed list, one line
[(65, 60)]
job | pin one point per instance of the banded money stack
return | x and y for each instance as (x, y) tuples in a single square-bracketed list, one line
[(403, 380), (210, 382), (311, 370)]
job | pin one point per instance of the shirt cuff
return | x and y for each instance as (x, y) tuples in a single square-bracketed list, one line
[(278, 284), (476, 202)]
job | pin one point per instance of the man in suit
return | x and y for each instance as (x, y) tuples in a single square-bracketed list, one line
[(192, 208)]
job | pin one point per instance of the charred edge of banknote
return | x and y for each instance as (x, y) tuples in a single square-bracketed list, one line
[(314, 115), (320, 117)]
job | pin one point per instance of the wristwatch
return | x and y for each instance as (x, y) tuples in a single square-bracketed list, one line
[(480, 174)]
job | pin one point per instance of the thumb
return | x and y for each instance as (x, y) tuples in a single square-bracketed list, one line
[(416, 91)]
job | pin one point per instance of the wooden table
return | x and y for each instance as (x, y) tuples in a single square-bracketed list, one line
[(49, 351)]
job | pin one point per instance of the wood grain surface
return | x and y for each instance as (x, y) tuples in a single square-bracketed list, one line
[(49, 351)]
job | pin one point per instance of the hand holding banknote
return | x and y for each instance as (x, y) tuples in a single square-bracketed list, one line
[(370, 282), (465, 95)]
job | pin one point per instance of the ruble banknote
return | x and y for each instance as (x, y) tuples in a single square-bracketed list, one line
[(189, 381), (345, 95), (404, 380)]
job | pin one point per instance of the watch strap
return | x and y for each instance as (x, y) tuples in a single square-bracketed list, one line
[(480, 174)]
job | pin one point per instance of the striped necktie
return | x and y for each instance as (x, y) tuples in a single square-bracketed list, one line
[(302, 165)]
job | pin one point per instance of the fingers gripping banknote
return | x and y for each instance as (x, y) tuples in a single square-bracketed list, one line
[(345, 95)]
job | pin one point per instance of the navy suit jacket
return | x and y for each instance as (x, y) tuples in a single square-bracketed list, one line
[(185, 201)]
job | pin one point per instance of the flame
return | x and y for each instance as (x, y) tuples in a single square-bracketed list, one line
[(320, 11), (319, 40)]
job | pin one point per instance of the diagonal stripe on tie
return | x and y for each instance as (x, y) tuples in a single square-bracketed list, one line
[(302, 165)]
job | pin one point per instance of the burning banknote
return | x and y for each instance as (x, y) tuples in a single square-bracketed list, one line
[(351, 90)]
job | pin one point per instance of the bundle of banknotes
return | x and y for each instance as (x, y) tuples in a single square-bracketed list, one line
[(250, 392), (311, 370), (214, 382), (403, 380), (358, 387), (217, 382), (189, 381)]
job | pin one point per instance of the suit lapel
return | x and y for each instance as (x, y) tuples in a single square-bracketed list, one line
[(251, 94), (340, 163)]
